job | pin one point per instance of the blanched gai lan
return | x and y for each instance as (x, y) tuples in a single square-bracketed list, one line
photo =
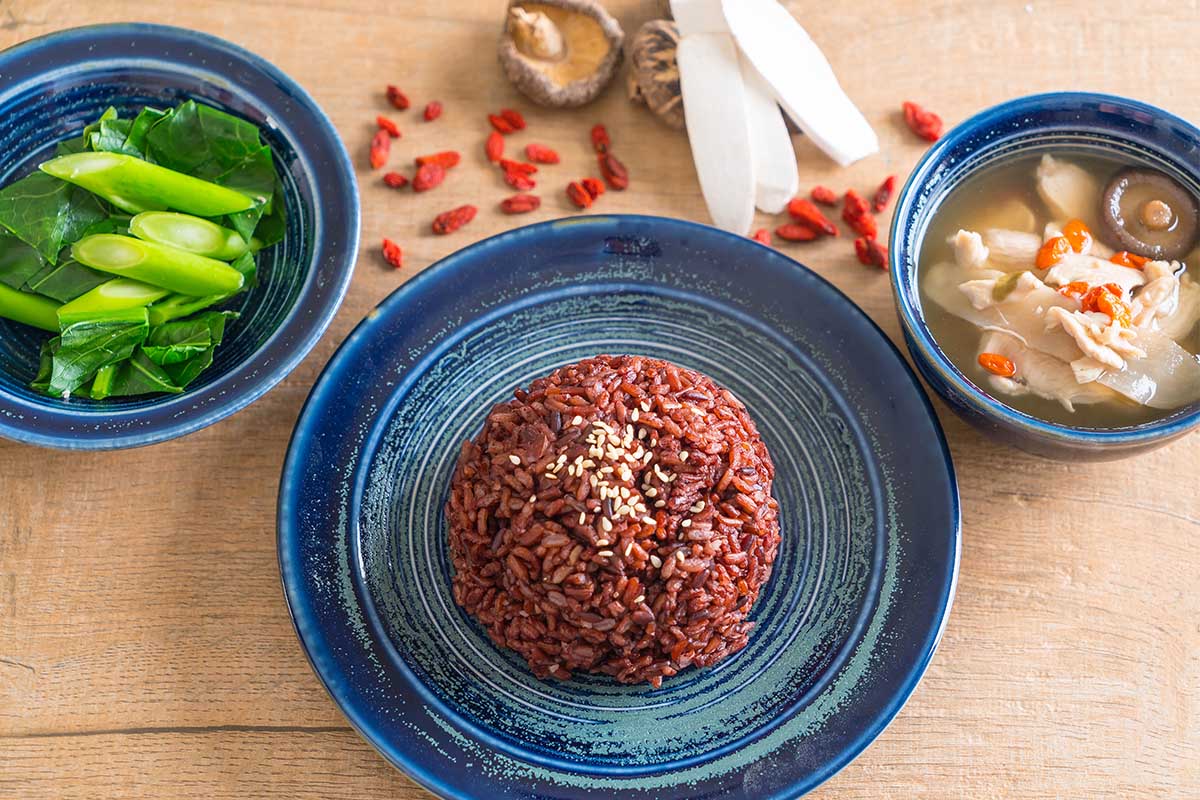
[(1036, 318)]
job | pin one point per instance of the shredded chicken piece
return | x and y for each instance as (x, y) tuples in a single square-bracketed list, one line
[(1068, 190), (1011, 249), (1094, 272), (1098, 337), (969, 250), (1182, 321), (1040, 374), (981, 292), (1087, 369), (1158, 298)]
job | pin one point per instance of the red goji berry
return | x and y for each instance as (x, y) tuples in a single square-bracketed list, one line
[(997, 364), (614, 172), (925, 124), (500, 124), (762, 235), (871, 252), (541, 154), (1078, 234), (519, 181), (381, 145), (428, 176), (1075, 290), (804, 212), (883, 194), (452, 220), (494, 146), (433, 110), (592, 186), (824, 195), (855, 205), (600, 140), (1127, 259), (795, 232), (513, 118), (392, 253), (517, 166), (393, 130), (578, 195), (864, 225), (395, 180), (1052, 252), (520, 203), (445, 159), (397, 98)]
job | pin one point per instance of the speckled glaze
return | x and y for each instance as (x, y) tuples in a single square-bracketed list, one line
[(51, 87), (1046, 122), (869, 514)]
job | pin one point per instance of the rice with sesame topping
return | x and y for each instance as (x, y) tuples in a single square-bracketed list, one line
[(530, 544)]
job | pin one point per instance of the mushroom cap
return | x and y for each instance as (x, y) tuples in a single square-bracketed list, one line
[(664, 9), (654, 78), (1132, 206), (553, 83)]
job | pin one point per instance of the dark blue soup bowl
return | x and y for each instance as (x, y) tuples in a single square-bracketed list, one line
[(1048, 122), (51, 87)]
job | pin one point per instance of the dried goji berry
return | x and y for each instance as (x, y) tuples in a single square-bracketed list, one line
[(452, 220), (513, 118), (871, 252), (397, 98), (762, 235), (541, 154), (923, 123), (794, 232), (1074, 289), (855, 206), (445, 159), (997, 364), (1107, 300), (520, 203), (494, 147), (883, 194), (381, 145), (500, 124), (592, 186), (392, 253), (395, 180), (519, 181), (1127, 259), (824, 195), (600, 140), (1078, 234), (578, 195), (393, 130), (804, 212), (614, 172), (433, 110), (428, 176), (517, 166), (862, 224), (1052, 252)]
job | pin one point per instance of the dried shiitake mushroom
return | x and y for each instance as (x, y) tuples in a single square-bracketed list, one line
[(654, 78), (560, 53), (1148, 213)]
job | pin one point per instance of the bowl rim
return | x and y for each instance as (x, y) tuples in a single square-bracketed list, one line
[(271, 362), (297, 596), (920, 340)]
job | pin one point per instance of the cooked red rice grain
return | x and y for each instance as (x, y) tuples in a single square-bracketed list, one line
[(568, 567)]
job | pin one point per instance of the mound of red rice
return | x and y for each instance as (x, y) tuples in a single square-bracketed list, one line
[(615, 517)]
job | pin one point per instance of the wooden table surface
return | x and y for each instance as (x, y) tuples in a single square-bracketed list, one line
[(145, 649)]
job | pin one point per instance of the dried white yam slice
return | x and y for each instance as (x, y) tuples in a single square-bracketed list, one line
[(775, 175), (801, 77)]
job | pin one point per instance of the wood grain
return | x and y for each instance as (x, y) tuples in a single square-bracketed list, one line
[(145, 649)]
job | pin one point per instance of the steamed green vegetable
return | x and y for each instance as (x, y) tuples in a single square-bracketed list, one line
[(160, 265), (28, 308), (87, 346), (47, 213), (119, 294), (134, 185), (181, 305), (189, 233), (66, 281)]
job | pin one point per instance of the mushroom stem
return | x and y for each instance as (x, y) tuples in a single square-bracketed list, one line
[(536, 35)]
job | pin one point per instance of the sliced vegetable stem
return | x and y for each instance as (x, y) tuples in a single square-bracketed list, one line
[(157, 264), (30, 309)]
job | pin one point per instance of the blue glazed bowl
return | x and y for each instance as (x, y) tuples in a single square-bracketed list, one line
[(1046, 122), (51, 87), (869, 519)]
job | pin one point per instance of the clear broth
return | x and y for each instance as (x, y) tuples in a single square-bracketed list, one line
[(968, 207)]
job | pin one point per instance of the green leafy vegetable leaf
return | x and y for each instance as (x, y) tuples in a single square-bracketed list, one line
[(65, 281), (18, 261), (147, 118), (176, 342), (138, 375), (41, 382), (47, 213), (86, 346), (185, 372)]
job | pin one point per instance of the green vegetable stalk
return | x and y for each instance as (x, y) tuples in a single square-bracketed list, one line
[(119, 294), (157, 264), (134, 185), (30, 309), (189, 233)]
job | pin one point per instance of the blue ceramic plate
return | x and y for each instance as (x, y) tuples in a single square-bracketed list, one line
[(50, 87), (869, 513)]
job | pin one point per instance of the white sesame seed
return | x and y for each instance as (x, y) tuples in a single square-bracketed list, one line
[(634, 416), (582, 517), (683, 455), (533, 498), (552, 668), (641, 433), (605, 553), (589, 463), (679, 555), (562, 459), (651, 492), (628, 549), (515, 459), (660, 503), (655, 562), (687, 523), (645, 405), (639, 508), (550, 476), (624, 491), (606, 523), (641, 598), (698, 506), (648, 520), (593, 480), (601, 542)]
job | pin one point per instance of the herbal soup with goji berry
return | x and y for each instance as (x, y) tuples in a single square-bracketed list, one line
[(1064, 285)]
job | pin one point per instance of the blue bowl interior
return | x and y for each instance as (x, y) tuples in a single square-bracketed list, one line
[(1043, 123), (868, 515), (67, 80)]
